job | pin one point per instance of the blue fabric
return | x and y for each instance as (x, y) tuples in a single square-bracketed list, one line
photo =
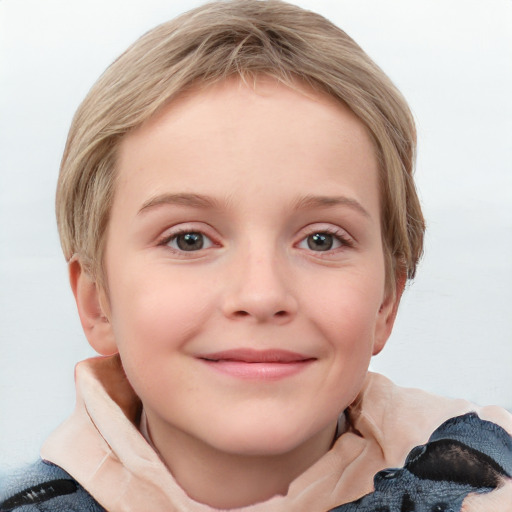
[(464, 455), (44, 487)]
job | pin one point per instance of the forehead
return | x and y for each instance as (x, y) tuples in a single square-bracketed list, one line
[(236, 136)]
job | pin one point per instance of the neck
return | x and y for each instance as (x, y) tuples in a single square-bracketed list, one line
[(226, 480)]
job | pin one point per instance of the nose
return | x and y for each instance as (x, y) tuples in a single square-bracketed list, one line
[(259, 290)]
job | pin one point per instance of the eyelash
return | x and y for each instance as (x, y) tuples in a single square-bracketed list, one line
[(338, 234), (166, 240)]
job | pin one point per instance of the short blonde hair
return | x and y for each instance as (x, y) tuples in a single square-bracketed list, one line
[(219, 40)]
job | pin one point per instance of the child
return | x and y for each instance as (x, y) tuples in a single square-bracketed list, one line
[(237, 208)]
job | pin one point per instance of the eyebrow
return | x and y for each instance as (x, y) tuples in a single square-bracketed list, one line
[(311, 201), (181, 199), (205, 202)]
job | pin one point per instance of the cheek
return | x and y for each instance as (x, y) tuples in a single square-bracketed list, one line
[(153, 320), (156, 312), (346, 308)]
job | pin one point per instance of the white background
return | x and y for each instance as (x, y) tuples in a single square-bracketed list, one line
[(452, 59)]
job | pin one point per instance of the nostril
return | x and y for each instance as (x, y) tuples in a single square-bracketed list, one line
[(241, 313)]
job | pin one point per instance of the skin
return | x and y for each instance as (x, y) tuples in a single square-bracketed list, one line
[(273, 167)]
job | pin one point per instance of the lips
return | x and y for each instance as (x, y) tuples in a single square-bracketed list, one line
[(256, 356), (257, 364)]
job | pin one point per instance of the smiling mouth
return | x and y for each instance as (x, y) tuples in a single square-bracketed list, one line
[(258, 364)]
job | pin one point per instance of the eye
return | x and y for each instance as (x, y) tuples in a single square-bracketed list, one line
[(322, 241), (188, 241)]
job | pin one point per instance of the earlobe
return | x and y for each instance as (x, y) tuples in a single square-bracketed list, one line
[(387, 315), (92, 309)]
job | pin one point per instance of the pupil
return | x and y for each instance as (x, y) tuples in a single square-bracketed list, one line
[(320, 242), (190, 241)]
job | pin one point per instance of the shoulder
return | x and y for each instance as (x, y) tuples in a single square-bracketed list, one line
[(446, 454), (466, 465), (44, 487), (401, 417)]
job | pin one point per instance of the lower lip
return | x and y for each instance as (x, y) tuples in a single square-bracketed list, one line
[(259, 371)]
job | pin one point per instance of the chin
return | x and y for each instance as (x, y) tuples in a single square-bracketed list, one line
[(258, 448), (262, 439)]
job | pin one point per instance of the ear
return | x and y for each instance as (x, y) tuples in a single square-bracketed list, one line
[(387, 314), (93, 310)]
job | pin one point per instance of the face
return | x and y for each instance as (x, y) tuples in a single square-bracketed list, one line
[(245, 270)]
